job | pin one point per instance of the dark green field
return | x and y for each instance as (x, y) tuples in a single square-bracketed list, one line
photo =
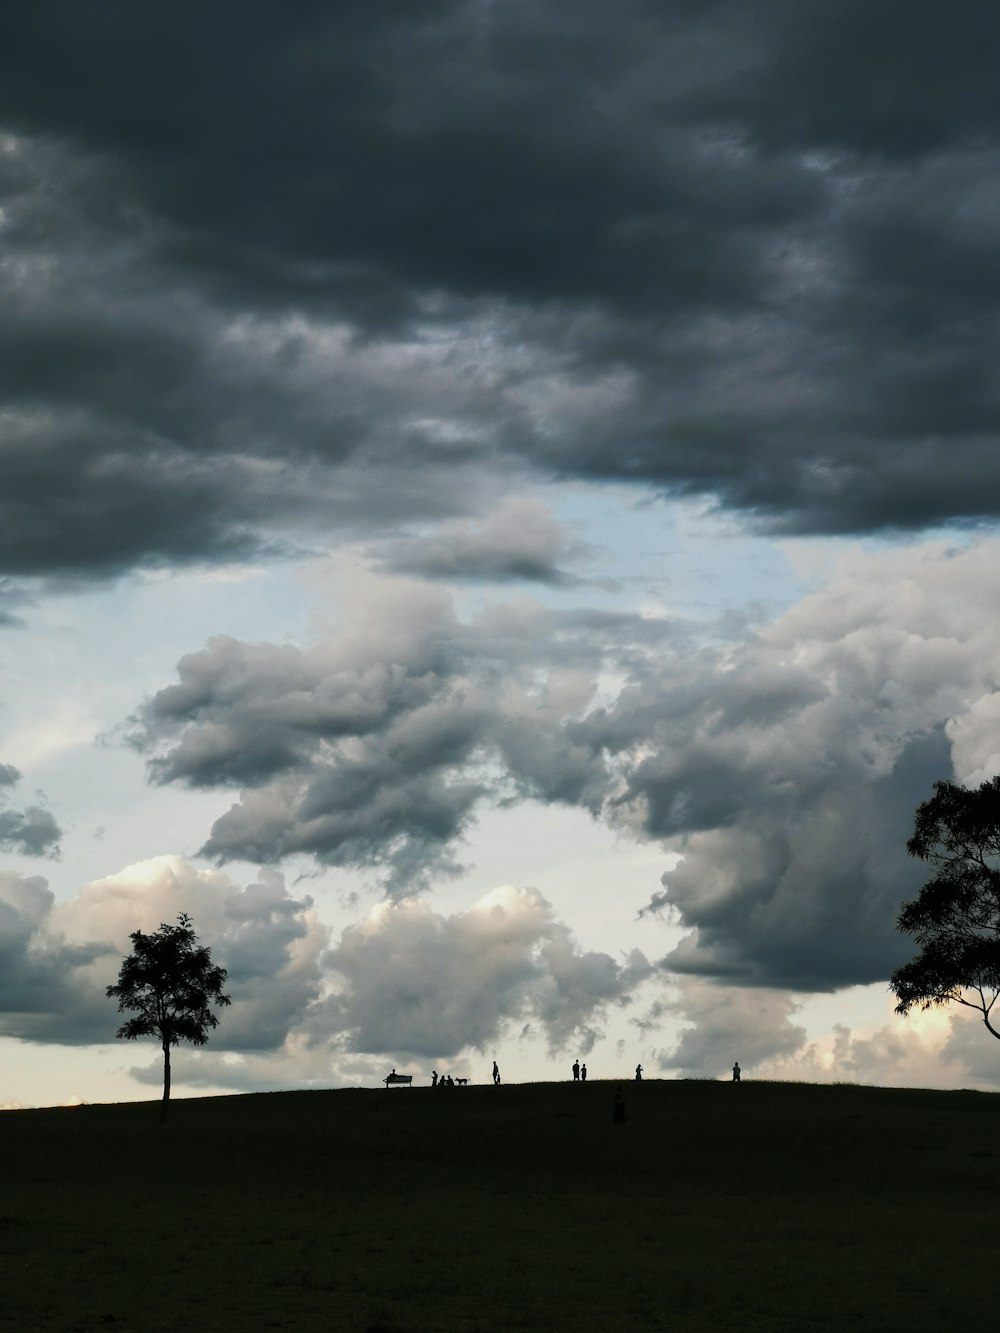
[(764, 1206)]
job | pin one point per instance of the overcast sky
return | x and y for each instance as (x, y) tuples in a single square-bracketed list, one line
[(499, 522)]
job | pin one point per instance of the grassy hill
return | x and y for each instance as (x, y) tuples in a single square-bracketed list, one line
[(763, 1206)]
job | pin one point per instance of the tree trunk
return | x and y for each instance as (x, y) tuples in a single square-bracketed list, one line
[(164, 1104)]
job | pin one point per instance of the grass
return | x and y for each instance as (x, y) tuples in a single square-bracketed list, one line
[(766, 1206)]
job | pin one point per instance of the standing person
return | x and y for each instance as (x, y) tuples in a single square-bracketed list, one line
[(736, 1072), (496, 1074), (576, 1071), (583, 1073), (434, 1078), (638, 1073)]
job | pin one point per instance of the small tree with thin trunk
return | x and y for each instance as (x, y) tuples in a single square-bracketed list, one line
[(170, 983), (956, 917)]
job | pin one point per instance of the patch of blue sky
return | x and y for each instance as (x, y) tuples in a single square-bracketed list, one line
[(76, 671), (673, 556)]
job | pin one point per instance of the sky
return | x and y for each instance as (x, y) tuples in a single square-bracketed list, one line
[(499, 522)]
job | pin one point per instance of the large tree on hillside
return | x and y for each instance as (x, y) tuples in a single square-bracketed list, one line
[(956, 917), (170, 983)]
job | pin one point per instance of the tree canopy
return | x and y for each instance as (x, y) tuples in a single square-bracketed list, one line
[(170, 982), (955, 919)]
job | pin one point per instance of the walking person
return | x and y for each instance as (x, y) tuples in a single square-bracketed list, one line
[(496, 1074)]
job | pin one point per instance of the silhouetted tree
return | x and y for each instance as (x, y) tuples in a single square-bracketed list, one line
[(956, 917), (170, 983)]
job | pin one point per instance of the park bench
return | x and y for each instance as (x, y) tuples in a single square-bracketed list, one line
[(404, 1079)]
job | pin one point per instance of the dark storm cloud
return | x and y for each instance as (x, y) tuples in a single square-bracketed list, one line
[(32, 831), (804, 897), (141, 423), (447, 146), (272, 269)]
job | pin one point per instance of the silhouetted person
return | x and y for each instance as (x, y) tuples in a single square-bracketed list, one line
[(638, 1073), (434, 1078), (576, 1071), (583, 1073), (619, 1113), (736, 1072), (496, 1074), (451, 1081)]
